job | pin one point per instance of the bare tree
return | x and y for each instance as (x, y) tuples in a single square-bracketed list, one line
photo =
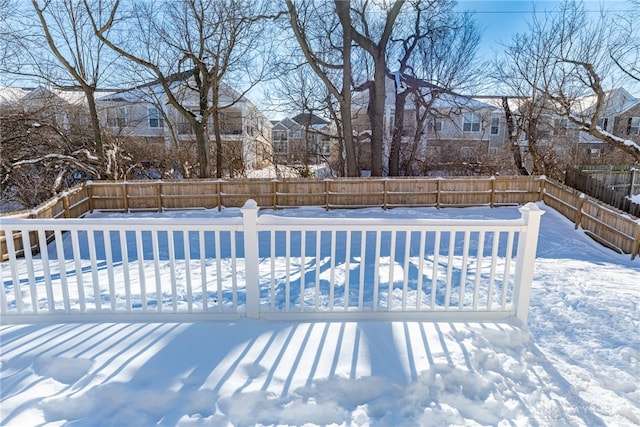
[(315, 28), (376, 46), (67, 31), (212, 41), (561, 60), (437, 56)]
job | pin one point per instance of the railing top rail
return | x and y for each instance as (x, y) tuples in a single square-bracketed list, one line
[(287, 223), (118, 223)]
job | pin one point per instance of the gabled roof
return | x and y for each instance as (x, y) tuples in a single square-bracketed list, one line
[(287, 124), (305, 119), (72, 97)]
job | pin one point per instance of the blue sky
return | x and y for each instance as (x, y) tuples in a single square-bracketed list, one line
[(500, 19)]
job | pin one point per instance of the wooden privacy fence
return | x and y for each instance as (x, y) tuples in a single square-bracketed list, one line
[(604, 188), (327, 193), (272, 267), (611, 227)]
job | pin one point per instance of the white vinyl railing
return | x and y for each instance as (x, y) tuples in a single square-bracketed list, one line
[(269, 267)]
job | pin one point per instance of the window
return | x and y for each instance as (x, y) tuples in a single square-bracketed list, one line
[(495, 125), (434, 124), (297, 134), (603, 123), (117, 117), (468, 154), (280, 146), (155, 118), (471, 122), (633, 126)]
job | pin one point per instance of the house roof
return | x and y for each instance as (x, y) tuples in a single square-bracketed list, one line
[(11, 95), (310, 119), (443, 99), (286, 123), (153, 90)]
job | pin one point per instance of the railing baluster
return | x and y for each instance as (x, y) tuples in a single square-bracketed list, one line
[(332, 276), (363, 255), (26, 244), (287, 269), (452, 245), (272, 238), (479, 256), (156, 267), (218, 269), (141, 270), (376, 269), (203, 271), (172, 267), (108, 252), (407, 255), (494, 265), (62, 268), (234, 270), (392, 264), (317, 283), (95, 281), (124, 250), (507, 269), (463, 275), (423, 238), (44, 257), (75, 244), (11, 249), (303, 244), (434, 274), (186, 239), (347, 260)]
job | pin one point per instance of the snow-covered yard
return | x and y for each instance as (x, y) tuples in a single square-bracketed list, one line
[(577, 362)]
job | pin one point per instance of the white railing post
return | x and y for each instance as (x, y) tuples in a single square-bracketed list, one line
[(250, 232), (527, 245)]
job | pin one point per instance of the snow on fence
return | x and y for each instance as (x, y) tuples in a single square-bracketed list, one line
[(269, 267)]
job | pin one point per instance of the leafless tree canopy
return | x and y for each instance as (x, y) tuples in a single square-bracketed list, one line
[(565, 57)]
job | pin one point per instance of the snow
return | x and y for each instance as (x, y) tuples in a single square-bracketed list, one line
[(577, 362)]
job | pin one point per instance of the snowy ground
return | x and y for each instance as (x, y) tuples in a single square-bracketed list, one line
[(577, 362)]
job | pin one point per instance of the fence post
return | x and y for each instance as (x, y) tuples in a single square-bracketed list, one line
[(527, 245), (250, 232), (581, 200)]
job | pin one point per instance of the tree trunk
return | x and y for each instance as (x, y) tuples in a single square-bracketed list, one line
[(95, 127), (398, 129), (513, 138), (376, 116), (218, 136), (344, 98), (538, 161), (202, 142)]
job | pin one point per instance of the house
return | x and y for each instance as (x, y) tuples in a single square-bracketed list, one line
[(144, 112), (440, 128), (303, 139), (620, 116)]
